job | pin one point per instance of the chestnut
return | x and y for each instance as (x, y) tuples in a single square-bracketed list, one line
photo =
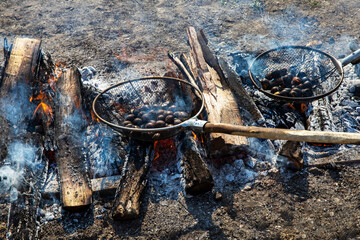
[(307, 84), (283, 71), (287, 80), (275, 89), (130, 117), (301, 75), (295, 92), (307, 92), (296, 81), (137, 121), (177, 121), (172, 108), (124, 123), (129, 125), (161, 117), (278, 82), (144, 107), (181, 115), (167, 113), (160, 112), (265, 84), (146, 117), (160, 124), (149, 125), (273, 74), (285, 92), (169, 119)]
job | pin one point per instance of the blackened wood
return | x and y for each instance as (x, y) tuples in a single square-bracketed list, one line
[(76, 193), (197, 176), (133, 181), (221, 106)]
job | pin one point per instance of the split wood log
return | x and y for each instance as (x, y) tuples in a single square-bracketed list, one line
[(104, 186), (133, 181), (197, 176), (221, 106), (76, 193), (15, 92)]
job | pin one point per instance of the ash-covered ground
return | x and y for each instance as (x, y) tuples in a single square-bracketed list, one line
[(129, 39)]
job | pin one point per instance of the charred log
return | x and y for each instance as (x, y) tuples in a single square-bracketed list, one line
[(133, 181), (76, 193), (197, 176)]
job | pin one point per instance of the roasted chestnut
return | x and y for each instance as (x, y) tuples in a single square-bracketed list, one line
[(285, 92), (160, 124), (172, 108), (307, 84), (301, 74), (181, 115), (169, 119), (161, 117), (287, 80), (160, 112), (130, 117), (273, 74), (265, 84), (307, 92), (275, 89), (124, 123), (295, 92), (146, 117), (296, 81), (167, 113), (177, 121), (149, 125), (137, 121), (278, 82), (283, 71)]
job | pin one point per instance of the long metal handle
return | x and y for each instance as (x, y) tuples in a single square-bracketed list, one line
[(353, 58), (285, 134)]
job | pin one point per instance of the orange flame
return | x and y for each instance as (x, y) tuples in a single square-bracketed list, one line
[(57, 73), (156, 150), (42, 106), (195, 137), (303, 107)]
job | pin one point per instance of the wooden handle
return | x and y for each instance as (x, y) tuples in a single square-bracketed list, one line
[(285, 134)]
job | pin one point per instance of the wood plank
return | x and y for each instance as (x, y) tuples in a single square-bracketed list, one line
[(133, 181), (15, 92), (221, 106), (76, 193)]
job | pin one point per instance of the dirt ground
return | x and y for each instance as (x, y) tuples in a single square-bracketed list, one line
[(130, 38)]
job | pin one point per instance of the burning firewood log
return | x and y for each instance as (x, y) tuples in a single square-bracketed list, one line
[(23, 148), (133, 181), (221, 106), (75, 188), (198, 178)]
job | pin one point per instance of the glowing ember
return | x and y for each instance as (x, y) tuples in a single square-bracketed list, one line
[(164, 154)]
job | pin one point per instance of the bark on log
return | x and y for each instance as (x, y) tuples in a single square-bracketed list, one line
[(197, 176), (221, 106), (133, 181), (76, 193)]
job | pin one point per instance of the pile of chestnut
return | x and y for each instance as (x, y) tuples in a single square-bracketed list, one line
[(282, 82), (154, 116)]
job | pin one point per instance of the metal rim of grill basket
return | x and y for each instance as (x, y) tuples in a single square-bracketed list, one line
[(151, 134), (336, 68)]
